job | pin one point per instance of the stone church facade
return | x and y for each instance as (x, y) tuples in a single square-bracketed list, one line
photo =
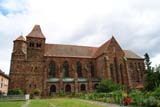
[(54, 68)]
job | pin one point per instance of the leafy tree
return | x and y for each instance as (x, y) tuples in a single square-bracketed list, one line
[(147, 61), (108, 86), (152, 75)]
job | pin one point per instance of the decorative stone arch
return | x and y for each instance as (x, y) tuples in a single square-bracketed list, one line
[(52, 89), (68, 88)]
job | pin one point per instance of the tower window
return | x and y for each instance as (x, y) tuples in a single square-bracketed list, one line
[(31, 44), (38, 45)]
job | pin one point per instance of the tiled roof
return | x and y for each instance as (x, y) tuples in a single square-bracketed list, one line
[(36, 32), (69, 50), (20, 38), (132, 55), (3, 74)]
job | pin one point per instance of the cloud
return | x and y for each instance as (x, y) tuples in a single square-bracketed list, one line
[(134, 23)]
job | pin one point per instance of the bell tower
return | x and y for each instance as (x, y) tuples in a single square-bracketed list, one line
[(35, 44)]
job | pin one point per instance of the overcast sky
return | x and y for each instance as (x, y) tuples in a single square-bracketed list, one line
[(134, 23)]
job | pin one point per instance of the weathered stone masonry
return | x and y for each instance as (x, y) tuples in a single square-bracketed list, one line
[(55, 67)]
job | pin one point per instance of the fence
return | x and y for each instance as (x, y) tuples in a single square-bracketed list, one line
[(14, 97)]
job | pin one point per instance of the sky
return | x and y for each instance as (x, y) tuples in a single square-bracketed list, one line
[(134, 23)]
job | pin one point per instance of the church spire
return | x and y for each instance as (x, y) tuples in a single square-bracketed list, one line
[(36, 32)]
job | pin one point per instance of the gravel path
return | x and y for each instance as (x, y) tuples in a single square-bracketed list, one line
[(26, 103)]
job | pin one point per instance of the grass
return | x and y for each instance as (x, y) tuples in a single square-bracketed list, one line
[(11, 104), (55, 102), (61, 102)]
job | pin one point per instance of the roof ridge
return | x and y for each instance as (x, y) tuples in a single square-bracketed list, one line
[(73, 45)]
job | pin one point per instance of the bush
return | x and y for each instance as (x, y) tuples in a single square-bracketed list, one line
[(150, 102), (16, 91), (156, 93), (108, 86), (36, 92), (137, 97), (62, 94)]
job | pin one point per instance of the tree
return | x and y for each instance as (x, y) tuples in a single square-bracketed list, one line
[(152, 75), (108, 86), (147, 62)]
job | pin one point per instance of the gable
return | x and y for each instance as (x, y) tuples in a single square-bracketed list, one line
[(109, 47), (114, 48)]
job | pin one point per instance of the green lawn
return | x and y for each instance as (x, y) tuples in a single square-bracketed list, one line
[(11, 104), (61, 102), (55, 102)]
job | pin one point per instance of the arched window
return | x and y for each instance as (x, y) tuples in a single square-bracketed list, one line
[(79, 69), (111, 71), (38, 45), (92, 69), (116, 70), (83, 87), (52, 69), (132, 72), (121, 72), (31, 44), (66, 69)]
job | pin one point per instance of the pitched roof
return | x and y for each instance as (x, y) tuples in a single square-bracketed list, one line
[(20, 38), (60, 50), (69, 51), (36, 32), (132, 55), (3, 74)]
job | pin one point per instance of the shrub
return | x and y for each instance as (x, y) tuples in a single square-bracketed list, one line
[(16, 91), (156, 93), (62, 94), (36, 92), (150, 102), (108, 86), (117, 96), (137, 97)]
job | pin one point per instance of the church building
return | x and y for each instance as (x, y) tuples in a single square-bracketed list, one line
[(54, 68)]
